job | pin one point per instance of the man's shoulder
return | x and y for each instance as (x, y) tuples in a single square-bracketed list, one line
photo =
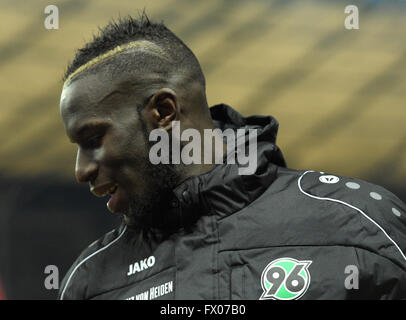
[(334, 188), (363, 214), (70, 282), (354, 193)]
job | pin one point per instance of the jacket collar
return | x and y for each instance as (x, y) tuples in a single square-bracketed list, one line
[(222, 191)]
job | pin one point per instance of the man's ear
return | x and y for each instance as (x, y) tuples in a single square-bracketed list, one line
[(162, 109)]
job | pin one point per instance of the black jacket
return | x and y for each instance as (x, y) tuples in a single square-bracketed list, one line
[(275, 234)]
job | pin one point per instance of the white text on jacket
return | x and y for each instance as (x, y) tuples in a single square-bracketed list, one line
[(141, 265), (154, 292)]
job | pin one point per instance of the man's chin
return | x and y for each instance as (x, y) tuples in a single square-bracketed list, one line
[(148, 208), (145, 214)]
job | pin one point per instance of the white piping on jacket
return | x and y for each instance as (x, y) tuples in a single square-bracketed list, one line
[(87, 258), (351, 206)]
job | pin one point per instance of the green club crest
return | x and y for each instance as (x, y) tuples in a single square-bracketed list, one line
[(285, 279)]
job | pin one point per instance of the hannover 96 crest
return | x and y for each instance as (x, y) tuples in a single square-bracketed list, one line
[(285, 279)]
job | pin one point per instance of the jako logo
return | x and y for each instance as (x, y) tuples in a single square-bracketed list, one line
[(141, 265)]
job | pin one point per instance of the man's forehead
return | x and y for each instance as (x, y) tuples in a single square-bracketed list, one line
[(80, 101), (85, 89), (90, 91), (96, 97)]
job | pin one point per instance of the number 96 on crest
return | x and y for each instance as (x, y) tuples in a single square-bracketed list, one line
[(285, 279)]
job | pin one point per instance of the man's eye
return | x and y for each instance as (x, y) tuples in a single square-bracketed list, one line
[(93, 142)]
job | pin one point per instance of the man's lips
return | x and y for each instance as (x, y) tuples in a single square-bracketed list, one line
[(104, 190), (118, 201)]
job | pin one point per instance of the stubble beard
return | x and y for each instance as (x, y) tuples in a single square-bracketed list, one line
[(148, 211)]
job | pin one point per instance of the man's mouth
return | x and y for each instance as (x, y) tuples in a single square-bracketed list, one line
[(117, 200), (104, 190)]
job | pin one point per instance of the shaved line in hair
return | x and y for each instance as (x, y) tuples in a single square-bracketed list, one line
[(139, 44)]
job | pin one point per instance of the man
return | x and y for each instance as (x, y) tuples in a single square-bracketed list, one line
[(203, 230)]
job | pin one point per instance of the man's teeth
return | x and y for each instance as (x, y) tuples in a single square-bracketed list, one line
[(110, 191)]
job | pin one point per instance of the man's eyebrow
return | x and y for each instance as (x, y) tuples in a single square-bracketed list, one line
[(85, 127)]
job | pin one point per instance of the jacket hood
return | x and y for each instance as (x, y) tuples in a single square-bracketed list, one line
[(225, 117)]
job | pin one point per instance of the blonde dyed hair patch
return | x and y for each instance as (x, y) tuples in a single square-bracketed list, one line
[(139, 44)]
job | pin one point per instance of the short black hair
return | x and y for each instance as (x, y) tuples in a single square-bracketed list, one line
[(128, 29)]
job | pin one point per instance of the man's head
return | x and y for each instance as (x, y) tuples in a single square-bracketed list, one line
[(134, 76)]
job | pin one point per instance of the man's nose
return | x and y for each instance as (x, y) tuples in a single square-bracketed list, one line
[(86, 169)]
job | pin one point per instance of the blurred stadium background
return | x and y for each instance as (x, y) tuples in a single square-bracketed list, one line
[(339, 96)]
